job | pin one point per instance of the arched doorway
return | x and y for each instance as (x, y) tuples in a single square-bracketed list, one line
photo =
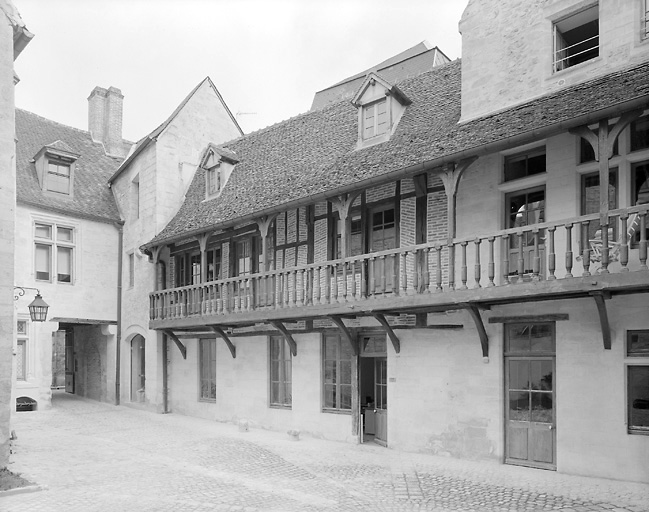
[(138, 376)]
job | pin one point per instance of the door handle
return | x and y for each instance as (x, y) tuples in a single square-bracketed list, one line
[(551, 427)]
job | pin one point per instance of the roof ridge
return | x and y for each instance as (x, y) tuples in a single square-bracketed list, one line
[(53, 122)]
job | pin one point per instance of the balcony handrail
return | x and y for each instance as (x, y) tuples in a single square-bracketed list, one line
[(436, 245)]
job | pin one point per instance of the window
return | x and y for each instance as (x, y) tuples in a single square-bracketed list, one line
[(637, 346), (281, 393), (356, 236), (640, 133), (375, 119), (131, 270), (576, 38), (213, 175), (52, 242), (21, 351), (188, 269), (58, 176), (644, 34), (207, 368), (639, 195), (524, 208), (337, 374), (525, 164), (243, 257), (135, 197), (214, 264)]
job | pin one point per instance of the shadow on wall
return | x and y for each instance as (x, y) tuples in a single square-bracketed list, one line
[(466, 440)]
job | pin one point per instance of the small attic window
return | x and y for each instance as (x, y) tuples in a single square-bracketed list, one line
[(213, 175), (55, 165), (218, 164), (380, 107)]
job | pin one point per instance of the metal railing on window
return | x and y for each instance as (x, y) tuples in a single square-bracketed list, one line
[(567, 56)]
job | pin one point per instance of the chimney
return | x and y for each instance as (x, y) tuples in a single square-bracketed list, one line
[(105, 119)]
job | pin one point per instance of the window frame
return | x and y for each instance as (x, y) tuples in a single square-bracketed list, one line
[(373, 106), (131, 269), (54, 246), (213, 181), (207, 366), (526, 155), (283, 381), (563, 63), (634, 361), (337, 407)]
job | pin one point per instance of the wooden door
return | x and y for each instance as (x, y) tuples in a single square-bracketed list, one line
[(381, 400), (529, 394), (383, 270)]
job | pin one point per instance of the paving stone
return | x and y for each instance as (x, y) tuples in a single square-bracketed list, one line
[(96, 457)]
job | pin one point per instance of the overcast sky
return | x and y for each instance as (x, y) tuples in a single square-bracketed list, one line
[(266, 57)]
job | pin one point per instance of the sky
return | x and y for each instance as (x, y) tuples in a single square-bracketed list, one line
[(267, 58)]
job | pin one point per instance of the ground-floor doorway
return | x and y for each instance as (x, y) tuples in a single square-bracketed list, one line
[(530, 415), (70, 361), (373, 387), (138, 373)]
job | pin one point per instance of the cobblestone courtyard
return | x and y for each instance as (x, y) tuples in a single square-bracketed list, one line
[(90, 456)]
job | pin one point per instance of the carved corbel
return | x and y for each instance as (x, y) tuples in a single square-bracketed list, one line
[(479, 324), (346, 333), (287, 336), (343, 205), (179, 344), (600, 298), (220, 332)]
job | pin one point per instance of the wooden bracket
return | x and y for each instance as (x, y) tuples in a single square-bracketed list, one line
[(219, 331), (600, 297), (346, 333), (393, 337), (287, 336), (155, 254), (179, 344), (344, 203), (479, 324), (451, 178)]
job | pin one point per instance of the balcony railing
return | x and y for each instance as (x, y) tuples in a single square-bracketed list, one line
[(542, 252)]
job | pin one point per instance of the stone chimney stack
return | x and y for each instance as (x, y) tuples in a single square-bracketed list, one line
[(105, 119)]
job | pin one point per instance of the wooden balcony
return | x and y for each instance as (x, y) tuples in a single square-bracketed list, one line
[(561, 259)]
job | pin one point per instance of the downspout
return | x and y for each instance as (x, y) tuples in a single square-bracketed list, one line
[(161, 284), (118, 337)]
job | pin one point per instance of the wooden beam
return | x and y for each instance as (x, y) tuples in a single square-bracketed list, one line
[(393, 337), (528, 318), (600, 297), (346, 333), (287, 336), (421, 186), (218, 330), (179, 344), (484, 339)]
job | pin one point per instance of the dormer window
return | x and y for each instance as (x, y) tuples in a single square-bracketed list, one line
[(218, 164), (380, 107), (55, 165)]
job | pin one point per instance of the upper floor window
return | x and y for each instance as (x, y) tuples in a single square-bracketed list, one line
[(55, 164), (375, 119), (131, 270), (640, 133), (645, 21), (213, 180), (219, 164), (135, 197), (54, 249), (525, 164), (576, 38), (58, 177)]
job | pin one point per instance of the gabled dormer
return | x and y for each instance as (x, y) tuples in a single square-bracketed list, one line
[(218, 164), (380, 106), (55, 165)]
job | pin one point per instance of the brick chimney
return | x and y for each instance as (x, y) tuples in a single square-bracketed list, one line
[(105, 119)]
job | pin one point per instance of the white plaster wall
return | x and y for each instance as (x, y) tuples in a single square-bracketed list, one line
[(242, 387), (93, 295), (507, 49)]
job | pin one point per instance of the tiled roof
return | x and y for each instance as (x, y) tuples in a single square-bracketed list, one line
[(91, 198), (315, 154)]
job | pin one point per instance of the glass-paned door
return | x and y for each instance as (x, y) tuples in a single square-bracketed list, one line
[(530, 395), (383, 237), (525, 208)]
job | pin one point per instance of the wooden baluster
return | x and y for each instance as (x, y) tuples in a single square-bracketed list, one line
[(624, 246), (585, 257), (416, 271), (308, 285), (372, 271), (293, 296), (383, 274), (491, 267), (605, 254), (316, 285), (552, 258), (344, 282), (404, 274), (364, 264), (352, 271), (506, 260), (642, 249), (451, 266), (569, 254), (464, 271), (478, 266), (521, 257), (334, 285), (536, 265), (303, 294), (426, 283), (327, 293), (438, 270)]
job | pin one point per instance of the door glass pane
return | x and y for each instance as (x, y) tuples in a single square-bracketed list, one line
[(542, 339), (638, 393), (345, 372), (330, 371), (518, 338), (330, 396), (64, 234), (43, 258), (43, 231), (542, 407), (64, 264), (345, 397), (519, 406), (541, 375), (519, 374)]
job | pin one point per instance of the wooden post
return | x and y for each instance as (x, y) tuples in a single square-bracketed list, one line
[(569, 254), (492, 266), (551, 256)]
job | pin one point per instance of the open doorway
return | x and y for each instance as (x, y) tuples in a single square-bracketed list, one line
[(138, 375), (373, 387)]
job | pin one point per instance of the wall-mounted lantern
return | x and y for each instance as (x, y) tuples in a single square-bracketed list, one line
[(38, 307)]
